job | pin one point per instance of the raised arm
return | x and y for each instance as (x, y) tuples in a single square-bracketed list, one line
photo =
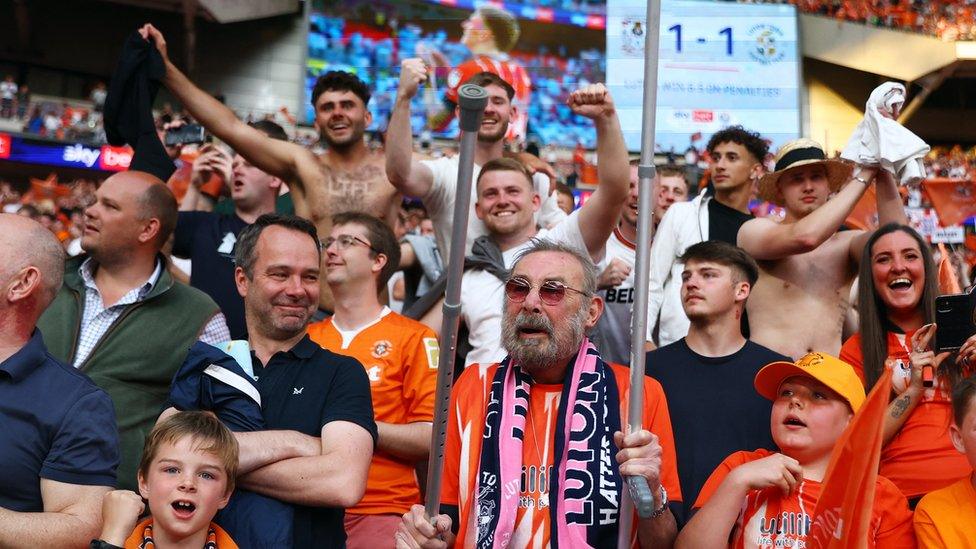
[(890, 210), (599, 215), (765, 239), (406, 173), (287, 161), (335, 478), (72, 516)]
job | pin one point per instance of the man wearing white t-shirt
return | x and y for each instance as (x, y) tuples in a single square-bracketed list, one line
[(506, 202), (435, 181), (612, 332)]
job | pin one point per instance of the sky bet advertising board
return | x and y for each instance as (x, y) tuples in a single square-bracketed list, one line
[(71, 155), (720, 64)]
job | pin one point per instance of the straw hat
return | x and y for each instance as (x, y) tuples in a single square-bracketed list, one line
[(803, 152)]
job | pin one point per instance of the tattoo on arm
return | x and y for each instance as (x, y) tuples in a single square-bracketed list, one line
[(901, 406)]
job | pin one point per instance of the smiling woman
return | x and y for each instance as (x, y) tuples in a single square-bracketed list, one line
[(897, 290)]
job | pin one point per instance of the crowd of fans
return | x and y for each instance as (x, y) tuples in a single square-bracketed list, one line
[(950, 20), (270, 395)]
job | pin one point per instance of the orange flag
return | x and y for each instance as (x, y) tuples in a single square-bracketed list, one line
[(953, 200), (864, 216), (948, 281), (842, 518)]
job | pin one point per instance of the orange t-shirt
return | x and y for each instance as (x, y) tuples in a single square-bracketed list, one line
[(462, 452), (221, 539), (768, 520), (920, 458), (400, 357), (946, 518)]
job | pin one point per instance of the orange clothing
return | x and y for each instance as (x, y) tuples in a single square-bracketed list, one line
[(464, 436), (400, 356), (510, 71), (920, 458), (179, 182), (946, 518), (220, 538), (767, 519)]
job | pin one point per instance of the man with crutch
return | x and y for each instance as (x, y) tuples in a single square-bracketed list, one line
[(536, 451)]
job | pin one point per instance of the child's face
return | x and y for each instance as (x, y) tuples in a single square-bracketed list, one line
[(808, 418), (964, 436), (185, 487)]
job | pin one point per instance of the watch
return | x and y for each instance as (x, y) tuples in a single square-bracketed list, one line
[(664, 504), (102, 544)]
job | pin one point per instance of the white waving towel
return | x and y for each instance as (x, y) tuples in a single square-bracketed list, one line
[(880, 140)]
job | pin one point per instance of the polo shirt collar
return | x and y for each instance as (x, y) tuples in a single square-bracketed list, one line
[(23, 362), (305, 348)]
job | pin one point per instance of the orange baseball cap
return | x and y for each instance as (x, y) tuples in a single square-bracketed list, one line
[(831, 371)]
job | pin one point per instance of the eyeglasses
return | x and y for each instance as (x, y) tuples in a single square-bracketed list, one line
[(344, 241), (551, 292)]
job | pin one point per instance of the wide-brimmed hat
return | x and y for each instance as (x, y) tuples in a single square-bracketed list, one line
[(803, 152), (833, 372)]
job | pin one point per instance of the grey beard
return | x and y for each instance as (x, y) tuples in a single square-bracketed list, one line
[(533, 354)]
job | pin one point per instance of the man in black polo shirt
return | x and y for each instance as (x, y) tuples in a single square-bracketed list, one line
[(59, 447), (707, 376), (316, 404), (208, 238)]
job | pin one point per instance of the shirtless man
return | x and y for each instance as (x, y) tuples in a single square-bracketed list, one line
[(806, 266), (348, 177)]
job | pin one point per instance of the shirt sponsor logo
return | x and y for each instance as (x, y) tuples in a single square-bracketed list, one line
[(433, 351)]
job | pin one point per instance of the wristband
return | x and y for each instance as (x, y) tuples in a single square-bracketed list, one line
[(664, 504), (857, 177)]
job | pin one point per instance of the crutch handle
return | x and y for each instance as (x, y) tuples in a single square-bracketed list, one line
[(640, 494), (471, 100)]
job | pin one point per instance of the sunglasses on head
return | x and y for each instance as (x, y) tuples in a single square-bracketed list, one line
[(551, 292)]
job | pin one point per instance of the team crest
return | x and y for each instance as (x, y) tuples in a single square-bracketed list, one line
[(765, 49), (381, 349)]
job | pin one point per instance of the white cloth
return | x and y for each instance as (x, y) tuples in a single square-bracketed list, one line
[(684, 224), (880, 139), (482, 295), (612, 335), (439, 202)]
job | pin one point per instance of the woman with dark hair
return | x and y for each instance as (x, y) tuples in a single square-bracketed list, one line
[(896, 299)]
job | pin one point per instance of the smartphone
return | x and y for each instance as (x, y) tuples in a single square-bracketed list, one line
[(184, 135), (954, 317)]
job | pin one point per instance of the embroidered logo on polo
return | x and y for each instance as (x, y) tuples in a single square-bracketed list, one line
[(381, 348), (297, 390), (227, 245)]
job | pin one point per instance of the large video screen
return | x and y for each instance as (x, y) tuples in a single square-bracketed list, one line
[(720, 64), (561, 46)]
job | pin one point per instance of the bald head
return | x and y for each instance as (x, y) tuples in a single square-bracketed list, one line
[(134, 212), (31, 262)]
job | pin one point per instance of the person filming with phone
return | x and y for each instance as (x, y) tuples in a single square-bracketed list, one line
[(896, 301)]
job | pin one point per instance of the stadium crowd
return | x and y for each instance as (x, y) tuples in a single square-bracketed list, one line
[(271, 397)]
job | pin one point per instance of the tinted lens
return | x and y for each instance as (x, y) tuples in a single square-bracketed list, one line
[(517, 290), (552, 293)]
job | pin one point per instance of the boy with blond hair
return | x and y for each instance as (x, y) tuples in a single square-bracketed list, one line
[(764, 499), (945, 518), (187, 474)]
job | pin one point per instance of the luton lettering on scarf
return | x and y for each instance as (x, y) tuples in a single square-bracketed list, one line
[(842, 519)]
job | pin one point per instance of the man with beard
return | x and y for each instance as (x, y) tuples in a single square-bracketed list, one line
[(316, 404), (435, 181), (617, 279), (506, 201), (536, 450), (805, 262), (736, 157), (347, 177)]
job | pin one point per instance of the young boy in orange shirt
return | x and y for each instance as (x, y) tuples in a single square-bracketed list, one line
[(764, 499), (187, 474), (947, 517)]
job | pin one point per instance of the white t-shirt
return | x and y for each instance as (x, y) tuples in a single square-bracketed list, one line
[(8, 90), (439, 202), (482, 295), (614, 326)]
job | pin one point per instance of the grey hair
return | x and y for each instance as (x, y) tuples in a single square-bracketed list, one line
[(590, 271)]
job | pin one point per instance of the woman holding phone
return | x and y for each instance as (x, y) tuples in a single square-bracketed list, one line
[(896, 301)]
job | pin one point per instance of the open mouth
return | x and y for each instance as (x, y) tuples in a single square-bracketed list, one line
[(183, 508), (900, 284), (530, 331), (794, 421)]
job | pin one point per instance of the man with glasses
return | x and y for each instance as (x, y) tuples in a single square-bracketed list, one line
[(400, 358), (506, 202), (536, 453)]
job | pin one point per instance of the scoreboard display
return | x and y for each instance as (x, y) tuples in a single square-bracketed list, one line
[(720, 64)]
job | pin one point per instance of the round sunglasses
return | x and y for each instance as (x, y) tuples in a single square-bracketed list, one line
[(551, 292)]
